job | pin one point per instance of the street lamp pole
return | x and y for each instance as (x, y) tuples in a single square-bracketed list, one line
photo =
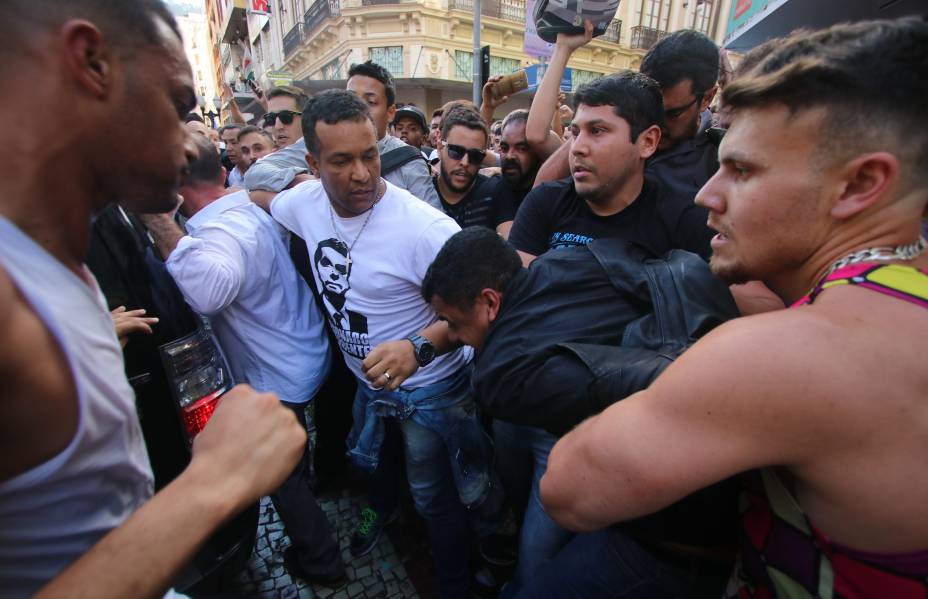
[(477, 79)]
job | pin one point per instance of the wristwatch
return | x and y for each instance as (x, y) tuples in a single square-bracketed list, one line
[(423, 349)]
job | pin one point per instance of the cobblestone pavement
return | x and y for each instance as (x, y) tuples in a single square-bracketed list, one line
[(381, 574)]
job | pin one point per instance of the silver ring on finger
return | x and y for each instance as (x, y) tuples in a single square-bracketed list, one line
[(387, 376)]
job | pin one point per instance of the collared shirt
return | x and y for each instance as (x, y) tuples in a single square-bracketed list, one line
[(683, 169), (414, 176), (234, 267), (236, 178), (276, 171)]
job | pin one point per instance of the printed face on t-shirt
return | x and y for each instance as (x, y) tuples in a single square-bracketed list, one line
[(332, 267)]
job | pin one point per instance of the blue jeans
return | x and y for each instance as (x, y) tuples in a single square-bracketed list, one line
[(609, 563), (522, 457), (448, 464)]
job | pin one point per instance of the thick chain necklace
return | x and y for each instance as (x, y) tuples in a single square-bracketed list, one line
[(370, 213), (884, 254)]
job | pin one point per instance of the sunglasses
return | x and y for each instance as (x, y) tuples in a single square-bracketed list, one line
[(474, 155), (285, 116), (674, 113)]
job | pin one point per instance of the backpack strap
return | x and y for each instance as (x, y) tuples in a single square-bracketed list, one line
[(397, 157)]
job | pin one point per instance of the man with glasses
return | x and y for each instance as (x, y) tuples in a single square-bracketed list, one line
[(285, 107), (467, 196), (686, 66)]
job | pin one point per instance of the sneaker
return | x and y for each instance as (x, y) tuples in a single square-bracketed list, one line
[(367, 533)]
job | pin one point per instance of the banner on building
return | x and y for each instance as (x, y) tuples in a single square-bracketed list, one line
[(741, 12), (531, 73), (534, 45), (260, 7)]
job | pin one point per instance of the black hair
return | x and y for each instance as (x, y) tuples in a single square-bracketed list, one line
[(298, 95), (375, 71), (520, 115), (871, 68), (331, 106), (685, 54), (193, 117), (336, 244), (473, 259), (249, 129), (206, 168), (230, 127), (633, 96), (463, 116)]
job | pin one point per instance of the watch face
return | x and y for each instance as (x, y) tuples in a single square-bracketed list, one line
[(426, 352)]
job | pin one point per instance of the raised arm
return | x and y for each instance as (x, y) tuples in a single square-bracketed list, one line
[(543, 141), (557, 166)]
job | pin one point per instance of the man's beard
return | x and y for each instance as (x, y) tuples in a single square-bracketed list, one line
[(733, 273), (447, 179), (520, 179)]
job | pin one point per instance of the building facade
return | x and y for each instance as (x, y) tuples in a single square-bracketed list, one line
[(428, 44)]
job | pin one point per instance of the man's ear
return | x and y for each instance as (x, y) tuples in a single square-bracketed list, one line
[(647, 141), (708, 97), (311, 161), (87, 57), (391, 113), (493, 299), (865, 180)]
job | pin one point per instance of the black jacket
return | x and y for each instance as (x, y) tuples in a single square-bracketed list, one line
[(587, 326)]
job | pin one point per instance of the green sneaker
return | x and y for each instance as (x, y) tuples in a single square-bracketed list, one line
[(367, 533)]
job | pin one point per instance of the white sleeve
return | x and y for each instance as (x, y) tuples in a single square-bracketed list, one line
[(209, 270), (282, 210), (430, 242)]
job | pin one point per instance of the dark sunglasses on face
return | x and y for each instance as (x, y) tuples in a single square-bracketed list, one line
[(474, 155), (286, 117), (674, 113)]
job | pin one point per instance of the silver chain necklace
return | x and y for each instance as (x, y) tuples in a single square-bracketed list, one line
[(884, 254), (370, 213)]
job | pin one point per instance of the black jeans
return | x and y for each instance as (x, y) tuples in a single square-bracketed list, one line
[(304, 521)]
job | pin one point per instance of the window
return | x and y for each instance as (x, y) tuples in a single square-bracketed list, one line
[(464, 66), (580, 77), (332, 71), (703, 18), (654, 14), (390, 57)]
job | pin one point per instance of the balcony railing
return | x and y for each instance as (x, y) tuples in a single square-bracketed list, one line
[(507, 10), (376, 2), (645, 37), (293, 40), (613, 32), (319, 12)]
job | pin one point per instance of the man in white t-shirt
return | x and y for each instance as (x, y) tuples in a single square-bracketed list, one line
[(371, 244)]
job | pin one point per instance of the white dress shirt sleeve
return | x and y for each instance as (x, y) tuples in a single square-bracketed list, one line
[(209, 269)]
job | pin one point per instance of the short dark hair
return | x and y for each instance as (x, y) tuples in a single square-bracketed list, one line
[(473, 259), (230, 127), (437, 112), (336, 244), (207, 168), (867, 76), (520, 115), (298, 95), (462, 116), (633, 96), (126, 24), (375, 71), (193, 117), (685, 54), (253, 129), (331, 106)]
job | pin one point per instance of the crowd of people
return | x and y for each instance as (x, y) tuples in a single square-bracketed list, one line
[(664, 342)]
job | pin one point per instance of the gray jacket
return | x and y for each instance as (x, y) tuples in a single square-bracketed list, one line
[(414, 176)]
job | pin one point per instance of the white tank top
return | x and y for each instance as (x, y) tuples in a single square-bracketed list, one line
[(55, 512)]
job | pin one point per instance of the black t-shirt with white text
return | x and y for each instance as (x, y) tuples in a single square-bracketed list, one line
[(553, 216), (482, 206)]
